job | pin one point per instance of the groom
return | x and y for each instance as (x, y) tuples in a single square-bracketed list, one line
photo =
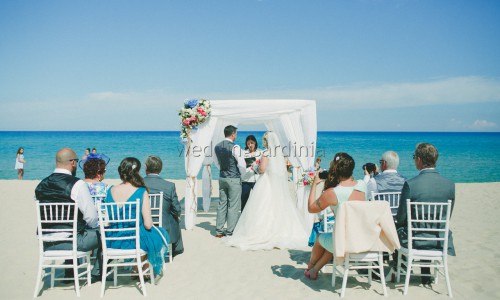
[(231, 163)]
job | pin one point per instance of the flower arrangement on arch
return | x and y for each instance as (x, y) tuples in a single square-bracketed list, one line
[(308, 176), (195, 112)]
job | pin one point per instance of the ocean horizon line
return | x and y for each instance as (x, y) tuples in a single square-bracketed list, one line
[(464, 157), (319, 131)]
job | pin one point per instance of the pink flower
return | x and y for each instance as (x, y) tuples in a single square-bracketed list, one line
[(306, 182), (257, 162), (185, 122), (201, 111), (311, 174)]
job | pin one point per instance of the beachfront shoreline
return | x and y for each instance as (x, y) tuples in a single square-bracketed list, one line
[(276, 274)]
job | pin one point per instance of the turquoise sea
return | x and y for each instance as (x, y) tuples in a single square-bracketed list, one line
[(463, 157)]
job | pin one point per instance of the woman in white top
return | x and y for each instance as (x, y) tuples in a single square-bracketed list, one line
[(340, 187), (20, 163), (252, 159)]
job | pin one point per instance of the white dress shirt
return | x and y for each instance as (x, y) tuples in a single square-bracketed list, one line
[(81, 195)]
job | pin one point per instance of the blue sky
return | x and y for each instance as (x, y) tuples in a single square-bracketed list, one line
[(370, 65)]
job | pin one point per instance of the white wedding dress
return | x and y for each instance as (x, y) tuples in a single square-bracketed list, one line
[(270, 218)]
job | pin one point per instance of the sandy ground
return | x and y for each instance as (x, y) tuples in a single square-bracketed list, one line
[(210, 270)]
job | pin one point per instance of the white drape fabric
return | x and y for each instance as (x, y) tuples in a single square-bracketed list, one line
[(293, 121), (207, 186)]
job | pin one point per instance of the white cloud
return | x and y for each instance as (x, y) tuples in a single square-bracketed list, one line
[(482, 124), (157, 109), (458, 90)]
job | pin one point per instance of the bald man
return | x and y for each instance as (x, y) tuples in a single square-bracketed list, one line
[(63, 186)]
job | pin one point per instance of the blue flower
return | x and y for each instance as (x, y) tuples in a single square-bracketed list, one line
[(190, 103)]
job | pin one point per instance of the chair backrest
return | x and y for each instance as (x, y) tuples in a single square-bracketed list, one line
[(156, 201), (362, 226), (328, 220), (428, 221), (119, 222), (56, 222), (98, 199), (392, 197)]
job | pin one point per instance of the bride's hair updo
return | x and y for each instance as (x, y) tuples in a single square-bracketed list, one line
[(129, 171), (341, 167), (264, 140)]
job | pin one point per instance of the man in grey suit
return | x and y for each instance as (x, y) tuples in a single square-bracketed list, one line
[(428, 186), (230, 160), (171, 211)]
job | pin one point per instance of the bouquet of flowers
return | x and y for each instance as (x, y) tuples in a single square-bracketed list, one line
[(255, 166), (194, 113), (308, 177)]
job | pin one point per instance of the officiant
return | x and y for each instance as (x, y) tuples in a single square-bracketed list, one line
[(252, 159)]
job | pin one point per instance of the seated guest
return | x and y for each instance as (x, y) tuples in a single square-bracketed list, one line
[(389, 180), (94, 167), (132, 188), (370, 170), (171, 208), (340, 187), (63, 186), (427, 186)]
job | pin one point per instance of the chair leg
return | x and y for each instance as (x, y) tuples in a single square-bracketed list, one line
[(141, 275), (398, 267), (52, 277), (346, 274), (115, 276), (370, 264), (89, 277), (104, 273), (408, 273), (38, 279), (447, 277), (334, 273), (381, 273), (152, 274), (436, 273), (76, 277)]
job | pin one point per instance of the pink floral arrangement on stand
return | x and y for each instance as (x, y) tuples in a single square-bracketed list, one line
[(308, 177)]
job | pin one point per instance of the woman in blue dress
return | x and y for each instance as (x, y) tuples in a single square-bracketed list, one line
[(132, 188)]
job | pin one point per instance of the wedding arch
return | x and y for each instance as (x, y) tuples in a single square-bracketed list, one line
[(294, 121)]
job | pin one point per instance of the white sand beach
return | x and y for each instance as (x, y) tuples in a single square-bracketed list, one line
[(210, 270)]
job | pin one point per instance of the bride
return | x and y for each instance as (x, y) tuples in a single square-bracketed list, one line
[(270, 219)]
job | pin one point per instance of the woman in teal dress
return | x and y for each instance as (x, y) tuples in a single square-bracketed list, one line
[(131, 189), (339, 188)]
